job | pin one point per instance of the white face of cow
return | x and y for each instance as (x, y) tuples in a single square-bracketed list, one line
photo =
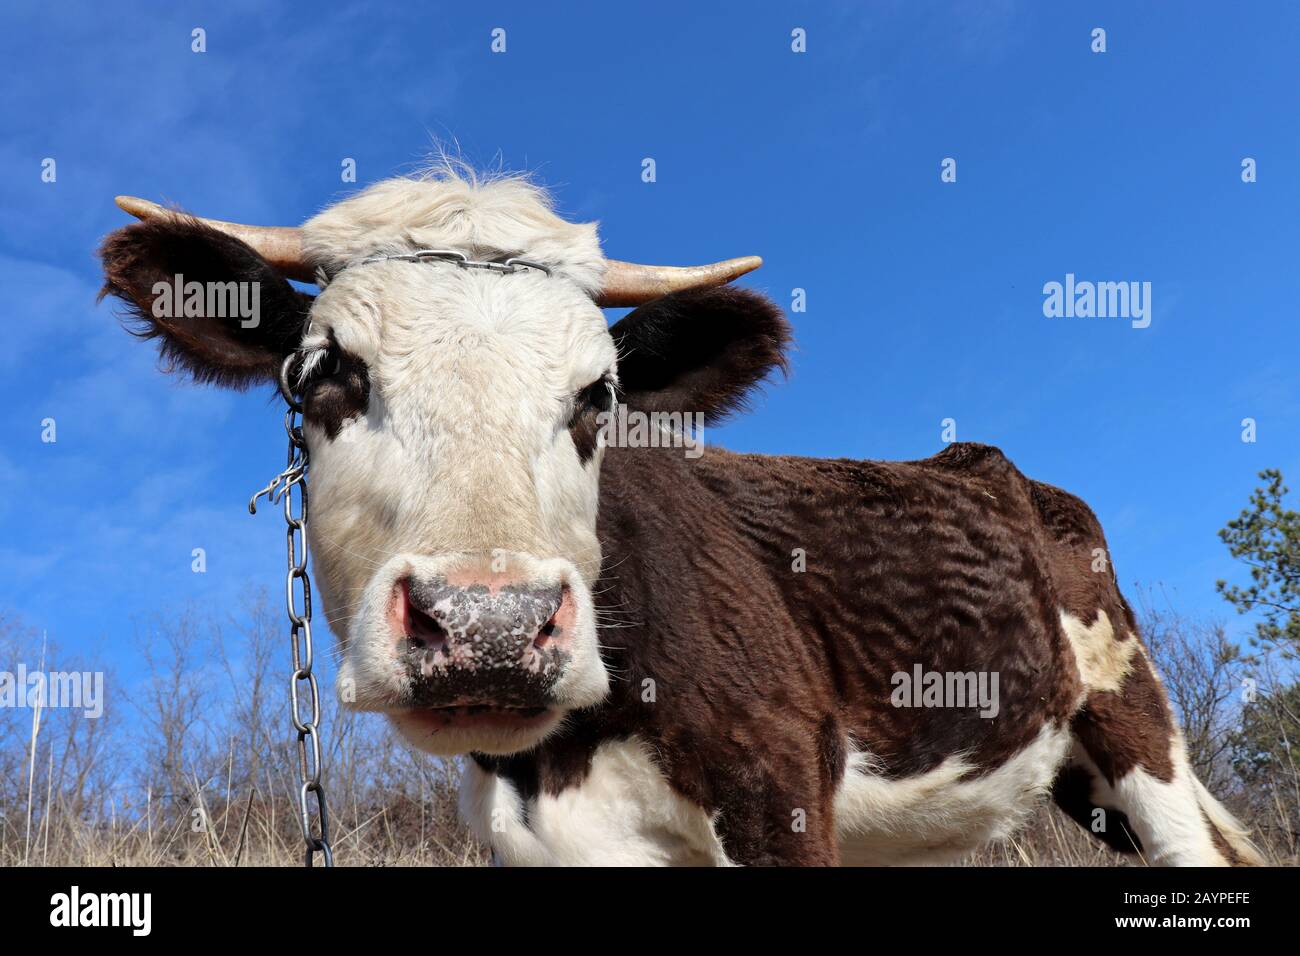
[(451, 418), (454, 491), (454, 516)]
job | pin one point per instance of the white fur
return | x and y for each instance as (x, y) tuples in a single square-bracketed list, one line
[(1165, 816), (454, 207), (944, 814), (464, 450), (1237, 835), (623, 814), (1103, 660)]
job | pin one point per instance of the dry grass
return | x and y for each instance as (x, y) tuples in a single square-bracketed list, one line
[(251, 832), (1050, 838), (261, 832)]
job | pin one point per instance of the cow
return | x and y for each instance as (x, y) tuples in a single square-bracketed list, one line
[(651, 656)]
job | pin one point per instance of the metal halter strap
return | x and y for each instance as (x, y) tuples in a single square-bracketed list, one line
[(506, 267), (309, 745)]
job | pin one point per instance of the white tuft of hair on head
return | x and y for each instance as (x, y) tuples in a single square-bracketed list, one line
[(452, 206)]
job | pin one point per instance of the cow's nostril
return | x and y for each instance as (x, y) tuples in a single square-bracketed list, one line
[(545, 633), (423, 631)]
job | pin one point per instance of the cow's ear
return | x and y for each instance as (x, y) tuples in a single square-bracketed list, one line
[(234, 335), (699, 351)]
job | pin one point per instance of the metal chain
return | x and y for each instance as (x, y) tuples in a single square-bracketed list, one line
[(316, 838), (505, 267)]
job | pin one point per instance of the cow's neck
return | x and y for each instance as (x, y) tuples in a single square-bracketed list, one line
[(661, 519)]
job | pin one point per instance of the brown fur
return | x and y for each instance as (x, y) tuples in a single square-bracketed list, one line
[(209, 348), (938, 562), (699, 351)]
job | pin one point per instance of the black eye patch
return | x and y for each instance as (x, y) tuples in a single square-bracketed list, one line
[(337, 390), (588, 403)]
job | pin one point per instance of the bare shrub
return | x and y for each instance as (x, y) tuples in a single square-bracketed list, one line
[(198, 766)]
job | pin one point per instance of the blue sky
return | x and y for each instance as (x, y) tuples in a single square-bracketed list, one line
[(924, 298)]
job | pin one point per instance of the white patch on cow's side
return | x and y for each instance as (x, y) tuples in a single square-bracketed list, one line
[(1103, 660), (944, 814), (623, 813)]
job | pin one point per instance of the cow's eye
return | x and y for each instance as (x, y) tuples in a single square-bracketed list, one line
[(584, 421), (320, 365), (332, 364), (598, 396)]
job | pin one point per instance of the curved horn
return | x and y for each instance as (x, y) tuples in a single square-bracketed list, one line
[(629, 283), (281, 246)]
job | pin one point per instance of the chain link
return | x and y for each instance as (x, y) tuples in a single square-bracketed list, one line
[(505, 267), (281, 487)]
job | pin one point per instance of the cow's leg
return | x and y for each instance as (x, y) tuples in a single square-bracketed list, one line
[(1130, 762), (1078, 791), (623, 811), (765, 821)]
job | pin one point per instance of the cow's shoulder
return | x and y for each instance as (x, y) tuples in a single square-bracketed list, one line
[(976, 464), (1082, 567), (1066, 516), (969, 457)]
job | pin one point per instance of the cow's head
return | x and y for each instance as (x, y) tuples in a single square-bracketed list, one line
[(450, 416)]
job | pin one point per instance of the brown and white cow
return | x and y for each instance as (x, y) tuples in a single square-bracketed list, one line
[(620, 636)]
